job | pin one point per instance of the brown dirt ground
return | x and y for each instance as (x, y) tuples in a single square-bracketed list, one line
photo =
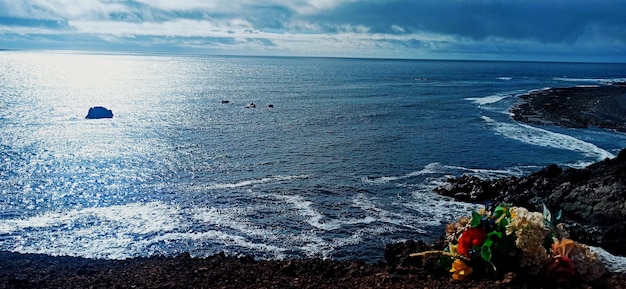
[(219, 271)]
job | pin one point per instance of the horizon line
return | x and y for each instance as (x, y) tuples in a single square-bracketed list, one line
[(181, 53)]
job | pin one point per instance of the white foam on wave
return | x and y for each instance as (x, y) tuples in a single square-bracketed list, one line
[(541, 137), (137, 229), (245, 183), (505, 78), (229, 240), (495, 173), (427, 209), (103, 232), (236, 218), (232, 218), (595, 80), (298, 211), (314, 218), (538, 90), (415, 219), (144, 218), (437, 168), (431, 168), (385, 216), (487, 99), (435, 210), (120, 232)]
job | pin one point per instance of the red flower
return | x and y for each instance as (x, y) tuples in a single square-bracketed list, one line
[(561, 271), (470, 238)]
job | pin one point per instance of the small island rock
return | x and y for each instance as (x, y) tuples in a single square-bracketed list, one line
[(97, 112)]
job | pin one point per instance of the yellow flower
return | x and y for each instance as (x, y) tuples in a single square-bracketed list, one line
[(563, 247), (501, 217), (453, 249), (460, 270)]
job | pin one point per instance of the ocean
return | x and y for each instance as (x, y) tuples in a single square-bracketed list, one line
[(338, 158)]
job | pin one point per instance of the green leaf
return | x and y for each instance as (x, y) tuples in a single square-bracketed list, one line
[(497, 234), (558, 215), (503, 223), (499, 211), (476, 218), (488, 243), (506, 245), (485, 252), (547, 216), (445, 262)]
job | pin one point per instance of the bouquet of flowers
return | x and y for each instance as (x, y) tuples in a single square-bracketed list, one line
[(508, 238)]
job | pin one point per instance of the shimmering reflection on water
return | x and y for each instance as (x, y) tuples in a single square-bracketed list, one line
[(342, 164)]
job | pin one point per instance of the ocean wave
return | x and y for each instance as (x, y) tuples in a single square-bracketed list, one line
[(144, 229), (232, 218), (219, 186), (305, 209), (545, 138), (536, 90), (231, 241), (595, 80), (444, 171), (495, 173), (103, 232), (431, 168), (385, 216), (270, 240), (488, 99), (434, 210)]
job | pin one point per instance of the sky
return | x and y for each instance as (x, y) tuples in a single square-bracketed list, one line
[(535, 30)]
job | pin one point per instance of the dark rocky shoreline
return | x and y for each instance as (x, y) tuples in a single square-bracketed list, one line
[(577, 107)]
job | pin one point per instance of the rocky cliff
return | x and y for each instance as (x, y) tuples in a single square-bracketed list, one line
[(592, 200)]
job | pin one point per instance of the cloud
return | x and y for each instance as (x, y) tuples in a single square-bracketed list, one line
[(482, 29), (536, 20), (179, 27)]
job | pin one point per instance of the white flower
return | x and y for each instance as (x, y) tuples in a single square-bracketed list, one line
[(531, 232)]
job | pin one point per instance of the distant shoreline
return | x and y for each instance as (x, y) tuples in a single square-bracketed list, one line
[(576, 107)]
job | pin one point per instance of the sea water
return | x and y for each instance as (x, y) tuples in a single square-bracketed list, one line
[(338, 158)]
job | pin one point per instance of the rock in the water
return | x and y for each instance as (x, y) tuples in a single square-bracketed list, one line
[(97, 112)]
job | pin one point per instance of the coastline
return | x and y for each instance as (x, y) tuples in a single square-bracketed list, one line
[(575, 107), (220, 271), (597, 104)]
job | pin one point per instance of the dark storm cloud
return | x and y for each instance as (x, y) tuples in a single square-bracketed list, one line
[(533, 20), (468, 29)]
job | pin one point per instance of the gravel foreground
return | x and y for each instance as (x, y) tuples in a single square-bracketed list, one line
[(219, 271)]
